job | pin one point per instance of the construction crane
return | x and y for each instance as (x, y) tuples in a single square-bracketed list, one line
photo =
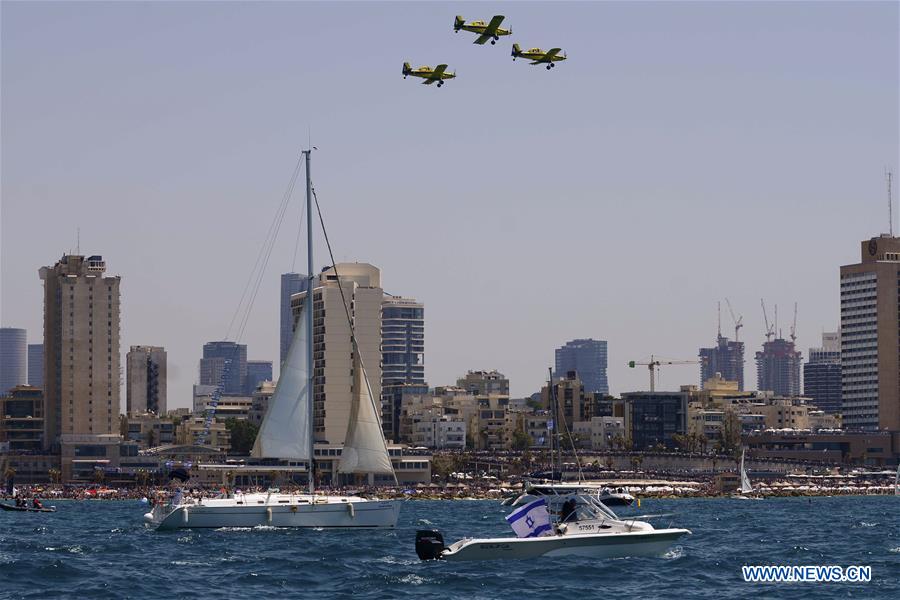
[(738, 322), (654, 364), (770, 329), (794, 325)]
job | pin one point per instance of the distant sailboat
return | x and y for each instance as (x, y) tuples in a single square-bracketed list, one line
[(287, 433), (897, 481), (746, 488)]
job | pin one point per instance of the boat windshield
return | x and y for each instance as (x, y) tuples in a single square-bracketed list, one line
[(586, 507)]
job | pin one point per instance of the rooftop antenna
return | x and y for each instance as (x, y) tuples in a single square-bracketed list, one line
[(794, 325), (719, 315), (78, 241), (889, 176)]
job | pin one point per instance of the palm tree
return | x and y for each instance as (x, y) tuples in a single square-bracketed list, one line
[(55, 475)]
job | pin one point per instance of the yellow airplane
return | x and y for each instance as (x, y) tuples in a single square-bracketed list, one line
[(486, 31), (437, 74), (538, 56)]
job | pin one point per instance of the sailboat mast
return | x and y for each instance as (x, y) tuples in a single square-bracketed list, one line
[(308, 309)]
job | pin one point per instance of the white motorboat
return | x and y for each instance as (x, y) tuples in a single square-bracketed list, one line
[(287, 433), (592, 530)]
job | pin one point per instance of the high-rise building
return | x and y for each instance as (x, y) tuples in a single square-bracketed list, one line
[(726, 358), (257, 372), (402, 357), (145, 375), (402, 340), (291, 283), (870, 337), (81, 350), (778, 368), (822, 374), (484, 383), (588, 358), (36, 365), (13, 359), (333, 355), (224, 363)]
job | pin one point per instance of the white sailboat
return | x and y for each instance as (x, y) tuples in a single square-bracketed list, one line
[(287, 433), (746, 487), (897, 481)]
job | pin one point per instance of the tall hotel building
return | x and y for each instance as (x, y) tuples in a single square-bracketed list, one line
[(81, 350), (870, 337), (333, 358)]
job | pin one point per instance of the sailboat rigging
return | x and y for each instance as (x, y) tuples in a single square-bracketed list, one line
[(287, 433)]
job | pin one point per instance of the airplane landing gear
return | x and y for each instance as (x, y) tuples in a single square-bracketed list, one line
[(550, 66), (440, 83), (493, 42)]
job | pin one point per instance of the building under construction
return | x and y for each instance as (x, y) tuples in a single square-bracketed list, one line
[(726, 358), (778, 368)]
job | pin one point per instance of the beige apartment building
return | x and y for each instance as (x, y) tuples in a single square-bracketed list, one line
[(870, 337), (145, 380), (333, 358), (81, 350)]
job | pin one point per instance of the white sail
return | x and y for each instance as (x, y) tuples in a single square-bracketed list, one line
[(365, 450), (285, 429), (746, 488), (897, 482)]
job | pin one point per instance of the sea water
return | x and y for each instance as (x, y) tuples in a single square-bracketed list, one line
[(101, 549)]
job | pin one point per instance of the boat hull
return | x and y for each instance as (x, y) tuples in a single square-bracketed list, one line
[(361, 514), (607, 545), (10, 508)]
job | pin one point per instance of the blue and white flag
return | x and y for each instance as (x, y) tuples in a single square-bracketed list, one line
[(550, 425), (532, 520)]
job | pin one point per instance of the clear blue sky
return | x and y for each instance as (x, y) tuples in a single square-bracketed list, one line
[(685, 152)]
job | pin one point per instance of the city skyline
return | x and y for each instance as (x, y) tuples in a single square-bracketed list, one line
[(613, 175)]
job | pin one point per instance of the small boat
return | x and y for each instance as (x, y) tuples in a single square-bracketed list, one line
[(746, 488), (590, 529), (12, 508)]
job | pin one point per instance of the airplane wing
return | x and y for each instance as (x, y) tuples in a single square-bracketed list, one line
[(438, 72), (550, 54), (490, 29), (428, 81)]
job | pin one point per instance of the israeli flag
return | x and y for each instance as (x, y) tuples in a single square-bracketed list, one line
[(550, 425), (532, 520)]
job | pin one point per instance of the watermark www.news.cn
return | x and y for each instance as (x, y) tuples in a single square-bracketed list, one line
[(807, 574)]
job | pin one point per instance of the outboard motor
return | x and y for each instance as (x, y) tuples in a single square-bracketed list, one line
[(429, 544)]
